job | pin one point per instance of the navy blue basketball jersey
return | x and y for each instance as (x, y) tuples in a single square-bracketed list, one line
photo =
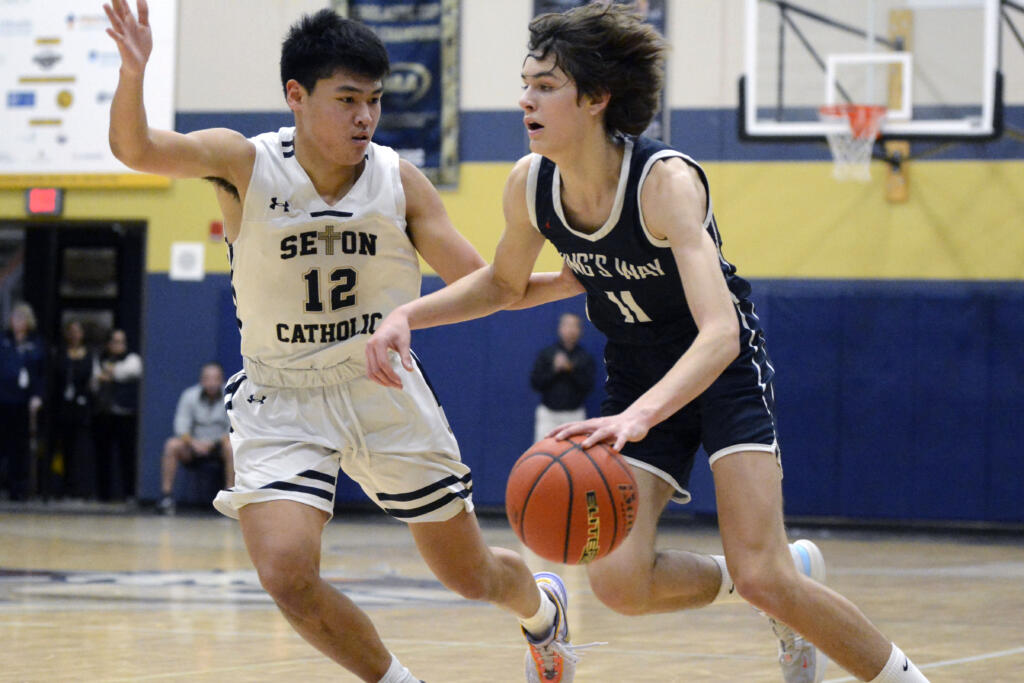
[(634, 293)]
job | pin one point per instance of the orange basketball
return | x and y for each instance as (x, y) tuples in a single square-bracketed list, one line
[(568, 504)]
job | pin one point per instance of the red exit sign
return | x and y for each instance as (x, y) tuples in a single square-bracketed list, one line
[(44, 201)]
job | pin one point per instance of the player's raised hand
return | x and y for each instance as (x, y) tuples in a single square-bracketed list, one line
[(392, 335), (133, 37)]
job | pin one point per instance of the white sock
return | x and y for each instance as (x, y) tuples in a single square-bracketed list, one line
[(727, 588), (540, 623), (899, 669), (398, 673)]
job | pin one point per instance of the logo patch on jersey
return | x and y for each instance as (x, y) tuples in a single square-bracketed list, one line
[(274, 204)]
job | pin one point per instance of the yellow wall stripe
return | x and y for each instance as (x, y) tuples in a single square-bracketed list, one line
[(964, 220)]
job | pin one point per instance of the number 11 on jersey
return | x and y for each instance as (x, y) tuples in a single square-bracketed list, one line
[(630, 309)]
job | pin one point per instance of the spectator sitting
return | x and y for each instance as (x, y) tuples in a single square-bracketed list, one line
[(201, 432)]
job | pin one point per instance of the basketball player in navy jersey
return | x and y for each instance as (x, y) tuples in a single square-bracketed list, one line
[(323, 228), (686, 360)]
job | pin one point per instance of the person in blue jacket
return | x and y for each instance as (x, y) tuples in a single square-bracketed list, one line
[(21, 391)]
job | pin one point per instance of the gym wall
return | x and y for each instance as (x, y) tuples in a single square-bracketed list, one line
[(894, 328)]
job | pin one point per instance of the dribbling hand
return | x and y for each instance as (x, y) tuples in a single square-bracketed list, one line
[(616, 430)]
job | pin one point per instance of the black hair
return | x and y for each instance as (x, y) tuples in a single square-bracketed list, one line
[(320, 44)]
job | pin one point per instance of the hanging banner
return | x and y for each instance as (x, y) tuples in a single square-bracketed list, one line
[(420, 114), (58, 71), (655, 14)]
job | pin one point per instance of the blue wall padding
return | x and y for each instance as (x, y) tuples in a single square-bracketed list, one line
[(895, 399), (1001, 457), (951, 395), (876, 418), (807, 410), (183, 321)]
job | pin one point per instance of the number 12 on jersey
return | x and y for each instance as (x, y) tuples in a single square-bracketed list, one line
[(346, 279)]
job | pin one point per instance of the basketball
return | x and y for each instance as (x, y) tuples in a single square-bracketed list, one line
[(568, 504)]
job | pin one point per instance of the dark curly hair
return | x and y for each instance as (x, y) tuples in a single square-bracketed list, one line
[(319, 44), (606, 48)]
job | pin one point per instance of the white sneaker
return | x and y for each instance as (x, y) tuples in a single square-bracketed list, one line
[(800, 660), (551, 658)]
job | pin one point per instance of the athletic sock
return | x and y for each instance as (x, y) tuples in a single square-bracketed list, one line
[(899, 669), (398, 673), (727, 588), (540, 623)]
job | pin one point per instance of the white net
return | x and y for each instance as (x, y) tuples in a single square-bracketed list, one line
[(852, 145)]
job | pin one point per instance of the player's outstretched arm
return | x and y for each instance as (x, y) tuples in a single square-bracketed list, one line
[(674, 204), (547, 287), (220, 153), (482, 292)]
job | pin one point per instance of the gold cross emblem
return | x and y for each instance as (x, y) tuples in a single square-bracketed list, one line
[(329, 237)]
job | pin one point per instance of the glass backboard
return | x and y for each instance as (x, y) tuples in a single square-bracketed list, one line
[(932, 63)]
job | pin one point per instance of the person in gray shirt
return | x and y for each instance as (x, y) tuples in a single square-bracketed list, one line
[(201, 429)]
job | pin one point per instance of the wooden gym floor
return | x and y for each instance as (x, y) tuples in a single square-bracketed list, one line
[(102, 597)]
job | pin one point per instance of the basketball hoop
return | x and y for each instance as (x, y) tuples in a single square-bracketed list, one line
[(851, 147)]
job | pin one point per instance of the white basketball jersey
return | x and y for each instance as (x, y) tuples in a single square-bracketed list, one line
[(312, 281)]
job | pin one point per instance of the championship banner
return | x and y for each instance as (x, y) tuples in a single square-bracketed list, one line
[(58, 71), (655, 14), (420, 116)]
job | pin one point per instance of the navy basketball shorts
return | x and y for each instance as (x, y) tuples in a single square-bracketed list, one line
[(735, 414)]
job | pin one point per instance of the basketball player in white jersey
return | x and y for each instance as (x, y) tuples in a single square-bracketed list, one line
[(323, 228), (686, 359)]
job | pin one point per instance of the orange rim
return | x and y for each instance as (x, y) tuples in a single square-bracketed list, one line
[(865, 119)]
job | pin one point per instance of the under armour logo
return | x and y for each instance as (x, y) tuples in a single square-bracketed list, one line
[(274, 204), (256, 399)]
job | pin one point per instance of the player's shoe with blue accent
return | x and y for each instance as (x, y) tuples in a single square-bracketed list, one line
[(801, 661), (551, 658)]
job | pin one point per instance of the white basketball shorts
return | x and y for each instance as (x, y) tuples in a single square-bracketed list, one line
[(395, 443)]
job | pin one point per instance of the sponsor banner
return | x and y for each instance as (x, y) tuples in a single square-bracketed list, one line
[(420, 106), (58, 71), (655, 13)]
